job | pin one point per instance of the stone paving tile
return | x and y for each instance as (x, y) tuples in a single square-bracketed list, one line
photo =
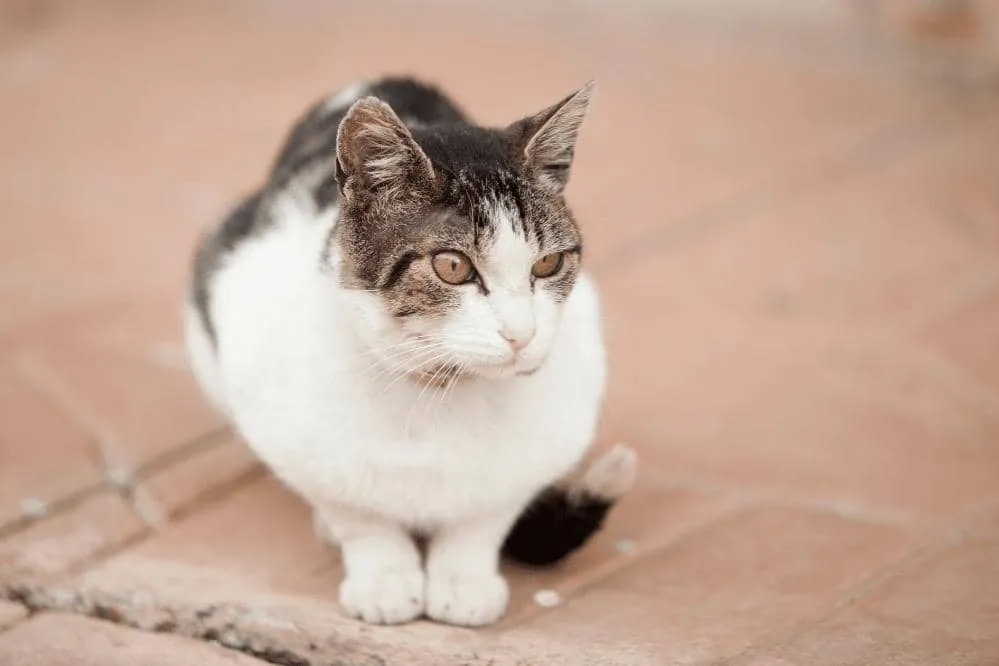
[(53, 639), (942, 612), (11, 613), (67, 540), (44, 457), (719, 591)]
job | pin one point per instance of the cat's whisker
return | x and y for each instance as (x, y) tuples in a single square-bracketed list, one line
[(430, 382), (423, 364), (412, 409), (448, 388), (410, 343), (407, 344), (399, 367), (414, 349), (406, 351), (404, 354)]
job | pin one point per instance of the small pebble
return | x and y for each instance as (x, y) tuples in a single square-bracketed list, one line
[(626, 546), (547, 598), (120, 478), (34, 508)]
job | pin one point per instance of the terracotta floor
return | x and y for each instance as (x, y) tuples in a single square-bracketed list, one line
[(795, 221)]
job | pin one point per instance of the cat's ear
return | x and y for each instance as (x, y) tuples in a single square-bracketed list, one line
[(546, 142), (375, 152)]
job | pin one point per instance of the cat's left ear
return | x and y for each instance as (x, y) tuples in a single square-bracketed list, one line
[(546, 142)]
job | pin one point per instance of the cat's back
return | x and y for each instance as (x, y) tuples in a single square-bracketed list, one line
[(312, 141)]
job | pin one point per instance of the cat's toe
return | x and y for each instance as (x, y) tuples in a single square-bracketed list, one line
[(469, 601), (384, 597)]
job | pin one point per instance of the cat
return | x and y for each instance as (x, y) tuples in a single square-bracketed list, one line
[(399, 325)]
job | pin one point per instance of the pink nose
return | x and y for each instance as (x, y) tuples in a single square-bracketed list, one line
[(518, 340)]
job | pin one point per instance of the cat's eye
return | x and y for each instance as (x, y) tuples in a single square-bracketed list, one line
[(453, 267), (548, 265)]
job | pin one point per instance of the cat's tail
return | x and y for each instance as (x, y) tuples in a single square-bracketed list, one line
[(563, 518)]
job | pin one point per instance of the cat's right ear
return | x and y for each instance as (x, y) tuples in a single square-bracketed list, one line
[(376, 153)]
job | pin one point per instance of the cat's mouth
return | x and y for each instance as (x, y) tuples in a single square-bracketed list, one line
[(447, 374), (442, 375)]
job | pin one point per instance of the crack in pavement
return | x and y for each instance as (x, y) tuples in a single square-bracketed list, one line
[(229, 625)]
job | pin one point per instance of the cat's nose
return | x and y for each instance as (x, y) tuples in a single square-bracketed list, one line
[(518, 338)]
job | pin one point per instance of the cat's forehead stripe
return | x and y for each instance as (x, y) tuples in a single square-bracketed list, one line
[(510, 254), (504, 214)]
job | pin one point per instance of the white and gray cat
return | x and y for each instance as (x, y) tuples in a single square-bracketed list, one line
[(399, 324)]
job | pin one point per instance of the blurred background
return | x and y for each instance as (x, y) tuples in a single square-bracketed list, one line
[(792, 208)]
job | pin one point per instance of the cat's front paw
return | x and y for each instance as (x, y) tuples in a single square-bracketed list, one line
[(384, 597), (469, 601)]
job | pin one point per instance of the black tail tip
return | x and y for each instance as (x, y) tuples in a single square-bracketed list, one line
[(561, 519)]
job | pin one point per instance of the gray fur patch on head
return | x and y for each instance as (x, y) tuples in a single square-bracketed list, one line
[(410, 192)]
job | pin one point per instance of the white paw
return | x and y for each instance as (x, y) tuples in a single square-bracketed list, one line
[(384, 597), (469, 601)]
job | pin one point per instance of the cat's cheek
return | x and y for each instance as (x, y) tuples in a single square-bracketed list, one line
[(471, 328), (473, 317)]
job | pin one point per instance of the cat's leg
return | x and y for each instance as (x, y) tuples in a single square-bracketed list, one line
[(384, 581), (464, 585)]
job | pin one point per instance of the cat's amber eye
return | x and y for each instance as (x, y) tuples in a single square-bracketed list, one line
[(453, 267), (548, 265)]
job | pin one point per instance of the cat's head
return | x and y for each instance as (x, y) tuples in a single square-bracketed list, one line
[(457, 249)]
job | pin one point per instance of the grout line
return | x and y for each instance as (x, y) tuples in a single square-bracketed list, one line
[(211, 496), (48, 384), (68, 502), (118, 475), (201, 444), (52, 509)]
